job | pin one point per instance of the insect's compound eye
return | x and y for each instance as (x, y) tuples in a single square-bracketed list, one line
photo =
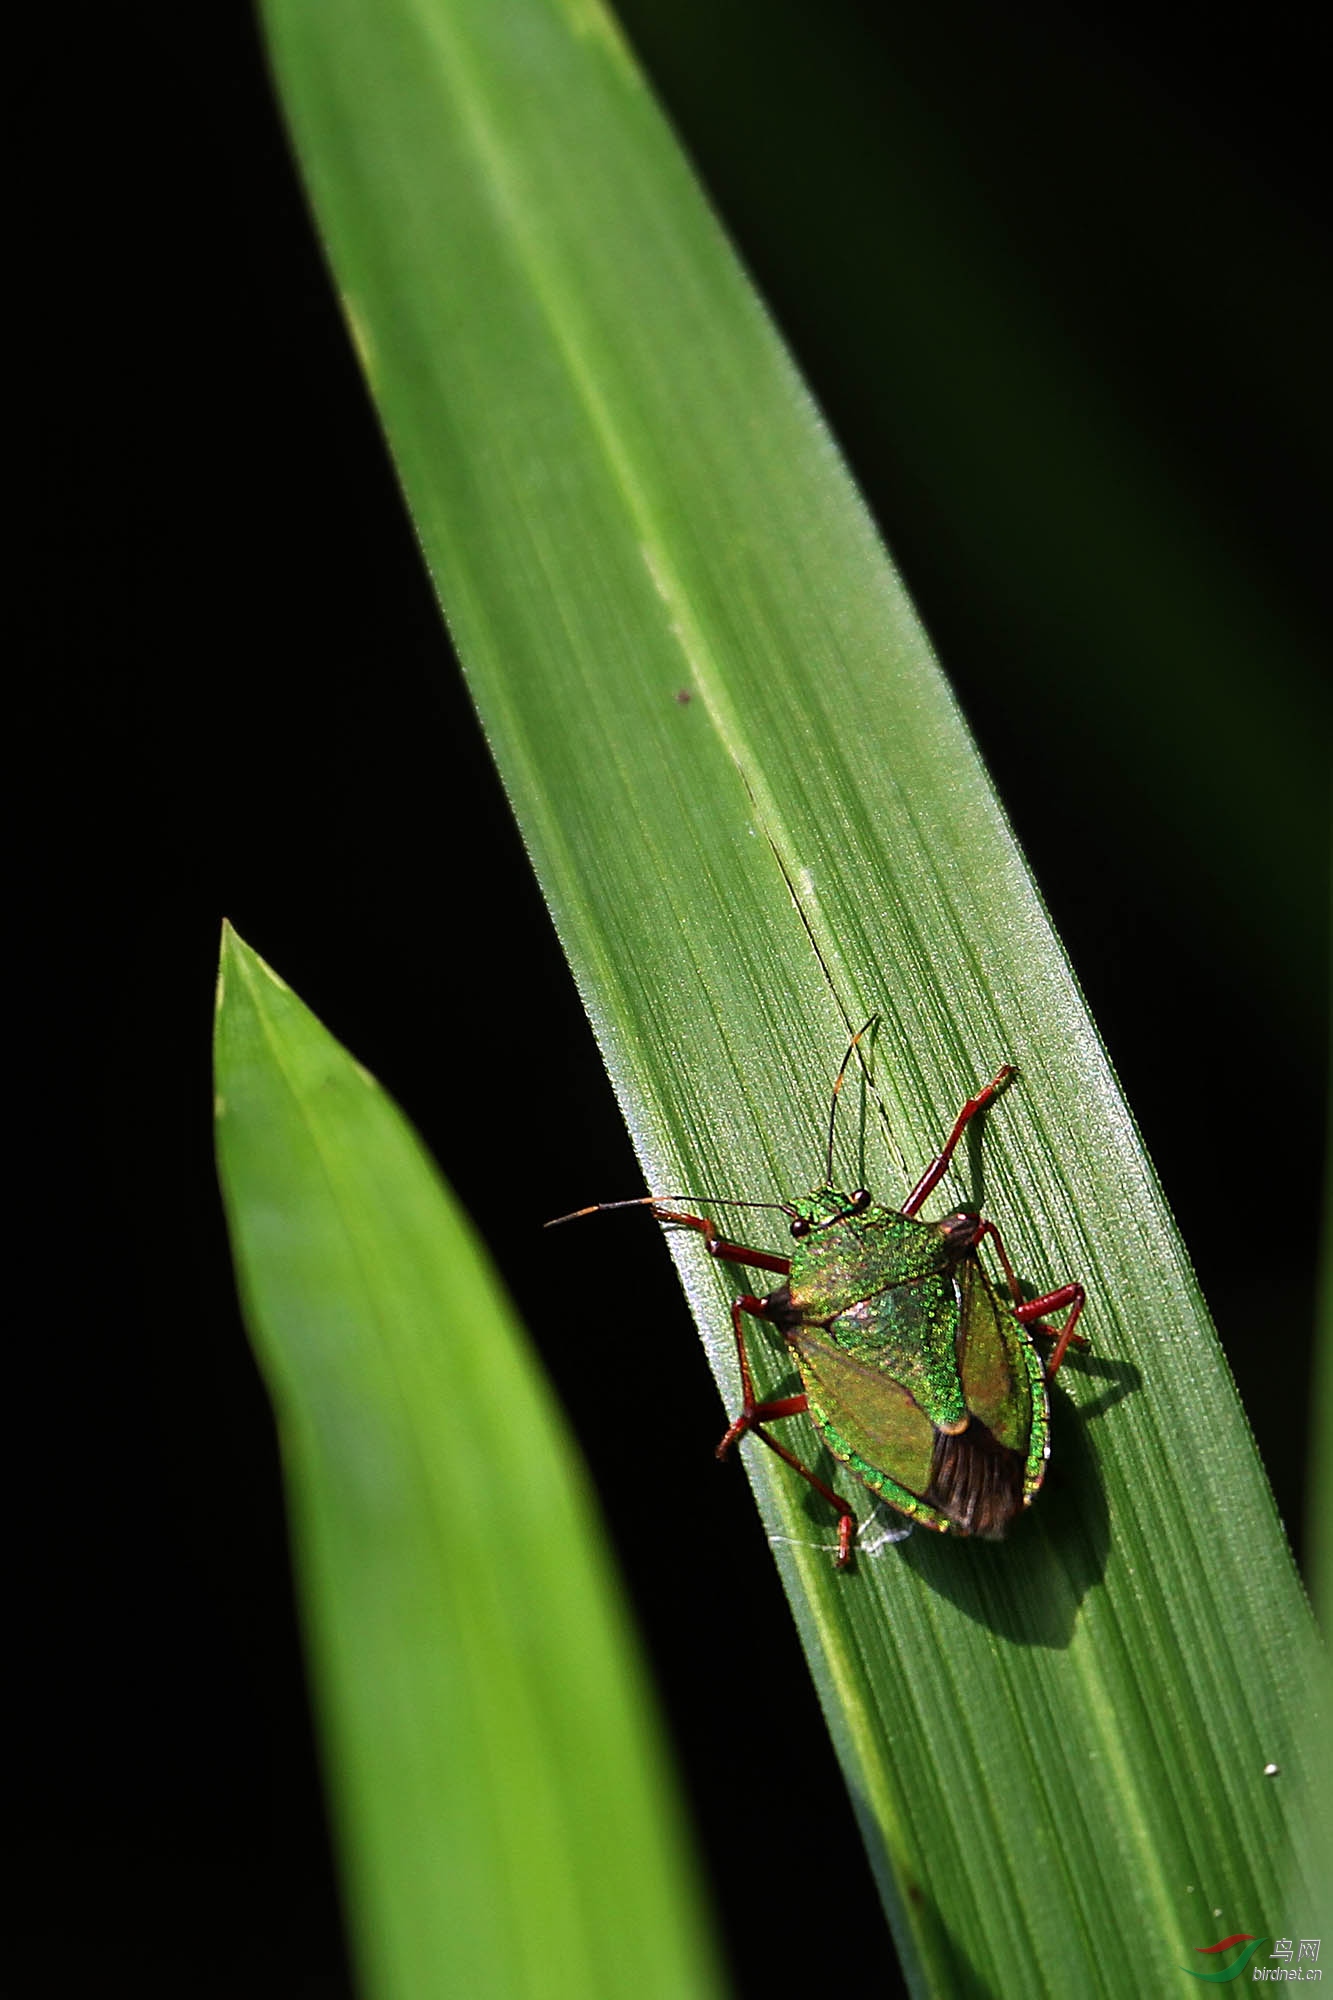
[(861, 1200), (800, 1227)]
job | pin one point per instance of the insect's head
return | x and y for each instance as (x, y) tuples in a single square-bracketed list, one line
[(825, 1207), (828, 1205)]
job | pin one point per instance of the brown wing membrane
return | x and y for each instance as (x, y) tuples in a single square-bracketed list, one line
[(976, 1481)]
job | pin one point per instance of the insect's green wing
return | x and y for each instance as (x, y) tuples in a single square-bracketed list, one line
[(1004, 1381), (868, 1420)]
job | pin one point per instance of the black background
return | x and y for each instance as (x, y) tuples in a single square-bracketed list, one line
[(238, 699)]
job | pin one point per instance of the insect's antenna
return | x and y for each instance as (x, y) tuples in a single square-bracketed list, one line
[(657, 1200), (872, 1026), (596, 1207), (730, 1201), (809, 929), (837, 1086)]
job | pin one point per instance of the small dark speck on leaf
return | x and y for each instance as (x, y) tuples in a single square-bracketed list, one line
[(684, 696)]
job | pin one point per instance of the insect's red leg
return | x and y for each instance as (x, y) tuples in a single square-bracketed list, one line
[(752, 1412), (939, 1166), (754, 1415), (1033, 1310), (719, 1246), (989, 1229), (846, 1514), (787, 1406), (1028, 1311), (756, 1310)]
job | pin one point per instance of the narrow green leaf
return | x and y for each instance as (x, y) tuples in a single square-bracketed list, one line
[(1317, 1745), (1321, 1439), (758, 819), (507, 1827)]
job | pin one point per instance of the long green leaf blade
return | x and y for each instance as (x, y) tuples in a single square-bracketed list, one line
[(758, 820), (1317, 1747), (506, 1823)]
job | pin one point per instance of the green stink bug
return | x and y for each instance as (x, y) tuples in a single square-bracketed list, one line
[(914, 1371)]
